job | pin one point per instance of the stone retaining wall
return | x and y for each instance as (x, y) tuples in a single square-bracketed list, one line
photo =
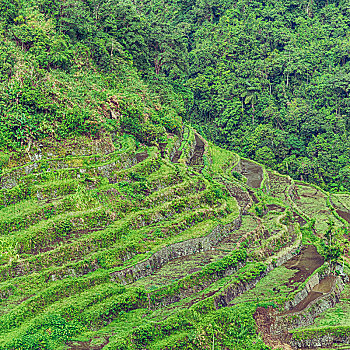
[(311, 283), (306, 317), (292, 191), (174, 251), (320, 341), (12, 179), (230, 293)]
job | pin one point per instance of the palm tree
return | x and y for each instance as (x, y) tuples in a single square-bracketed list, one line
[(250, 96)]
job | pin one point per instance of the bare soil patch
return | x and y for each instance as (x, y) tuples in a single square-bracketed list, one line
[(253, 172), (197, 157), (264, 318), (344, 214), (141, 156), (306, 262), (176, 156)]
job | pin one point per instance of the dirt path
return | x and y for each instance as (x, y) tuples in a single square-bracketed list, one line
[(253, 172)]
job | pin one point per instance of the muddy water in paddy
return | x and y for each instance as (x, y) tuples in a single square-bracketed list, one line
[(324, 287), (306, 262), (252, 172), (344, 214)]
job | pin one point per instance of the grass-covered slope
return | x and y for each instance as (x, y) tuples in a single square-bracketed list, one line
[(109, 243)]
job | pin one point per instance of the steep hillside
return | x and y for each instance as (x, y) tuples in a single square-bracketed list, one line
[(107, 243), (122, 227)]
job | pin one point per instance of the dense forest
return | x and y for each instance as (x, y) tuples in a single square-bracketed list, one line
[(268, 79)]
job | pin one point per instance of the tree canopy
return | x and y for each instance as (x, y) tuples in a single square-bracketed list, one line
[(268, 79)]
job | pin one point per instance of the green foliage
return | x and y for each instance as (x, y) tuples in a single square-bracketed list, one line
[(80, 214), (9, 10), (50, 333), (230, 328), (260, 208)]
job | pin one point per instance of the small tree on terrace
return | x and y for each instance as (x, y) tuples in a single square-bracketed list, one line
[(333, 247)]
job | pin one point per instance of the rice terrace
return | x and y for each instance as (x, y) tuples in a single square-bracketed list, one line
[(107, 249)]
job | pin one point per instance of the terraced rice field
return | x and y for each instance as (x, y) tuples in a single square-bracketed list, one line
[(116, 245)]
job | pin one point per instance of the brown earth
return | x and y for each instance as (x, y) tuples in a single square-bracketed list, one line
[(176, 156), (197, 157), (306, 262), (253, 172), (141, 156), (264, 319), (344, 214)]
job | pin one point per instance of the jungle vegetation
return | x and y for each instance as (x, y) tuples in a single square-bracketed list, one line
[(267, 79)]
